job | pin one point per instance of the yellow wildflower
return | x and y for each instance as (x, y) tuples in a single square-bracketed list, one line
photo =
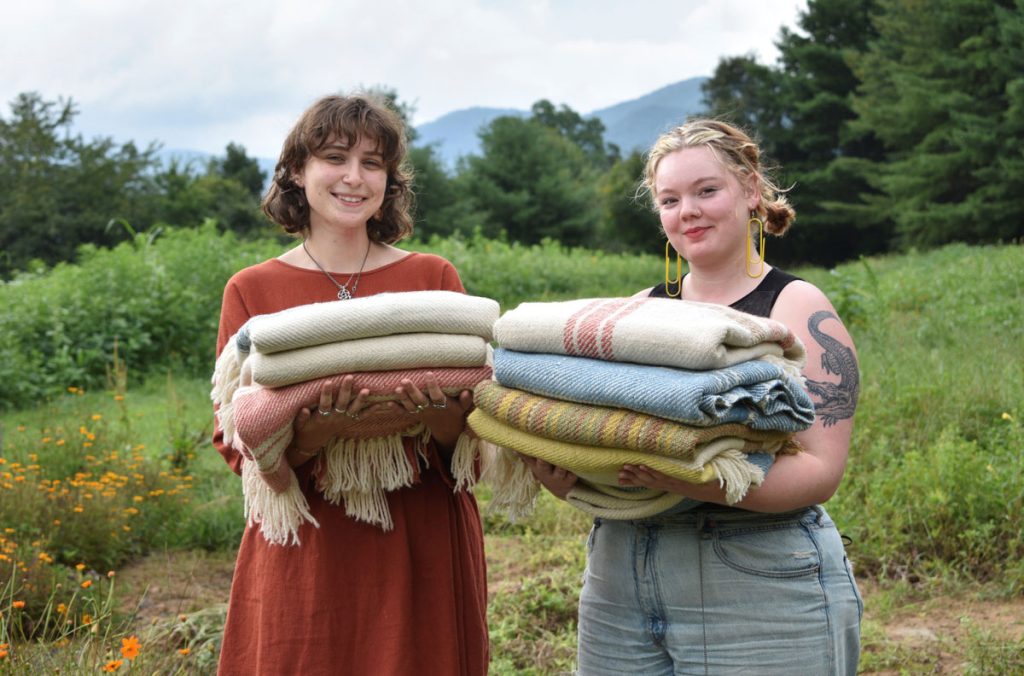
[(1007, 416), (97, 416)]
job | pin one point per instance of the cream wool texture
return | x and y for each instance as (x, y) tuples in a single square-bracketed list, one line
[(655, 331), (381, 340)]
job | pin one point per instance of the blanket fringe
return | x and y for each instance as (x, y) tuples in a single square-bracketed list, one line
[(364, 466), (227, 376), (514, 487), (464, 462), (278, 515), (736, 474), (369, 507)]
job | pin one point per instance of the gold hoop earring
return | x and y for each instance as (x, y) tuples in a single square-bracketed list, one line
[(759, 261), (679, 273)]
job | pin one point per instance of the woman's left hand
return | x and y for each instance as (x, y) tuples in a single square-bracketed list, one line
[(645, 477), (445, 416)]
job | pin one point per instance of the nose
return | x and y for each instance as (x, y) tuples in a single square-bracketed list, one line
[(353, 172), (689, 208)]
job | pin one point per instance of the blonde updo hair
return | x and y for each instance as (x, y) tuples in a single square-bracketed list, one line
[(737, 152), (347, 119)]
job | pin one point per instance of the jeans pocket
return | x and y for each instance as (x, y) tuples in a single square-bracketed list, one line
[(769, 550)]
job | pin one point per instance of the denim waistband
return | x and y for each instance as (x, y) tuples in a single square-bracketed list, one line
[(710, 514)]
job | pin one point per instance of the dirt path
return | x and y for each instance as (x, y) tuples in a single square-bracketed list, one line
[(927, 636)]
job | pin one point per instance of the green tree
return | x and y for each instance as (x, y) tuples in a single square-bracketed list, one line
[(587, 134), (236, 165), (941, 89), (58, 190), (628, 222), (801, 113), (530, 183)]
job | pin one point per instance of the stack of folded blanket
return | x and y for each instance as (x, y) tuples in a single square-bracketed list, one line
[(696, 391), (278, 364)]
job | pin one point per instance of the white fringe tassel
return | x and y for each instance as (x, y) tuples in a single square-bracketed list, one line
[(464, 462), (278, 515), (514, 487), (369, 506), (736, 474)]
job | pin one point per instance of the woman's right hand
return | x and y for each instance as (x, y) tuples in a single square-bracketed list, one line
[(558, 480), (336, 410)]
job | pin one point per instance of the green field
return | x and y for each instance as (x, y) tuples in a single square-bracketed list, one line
[(105, 461)]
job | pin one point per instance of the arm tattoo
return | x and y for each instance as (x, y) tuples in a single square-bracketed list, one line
[(835, 401)]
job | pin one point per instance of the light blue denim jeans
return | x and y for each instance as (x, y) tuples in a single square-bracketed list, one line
[(719, 591)]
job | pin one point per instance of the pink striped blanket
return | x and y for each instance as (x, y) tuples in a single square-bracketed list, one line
[(655, 331), (263, 417)]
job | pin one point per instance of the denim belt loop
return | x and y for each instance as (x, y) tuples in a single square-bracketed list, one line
[(820, 511)]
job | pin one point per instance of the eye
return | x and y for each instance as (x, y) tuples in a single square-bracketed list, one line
[(667, 202), (372, 164), (706, 192)]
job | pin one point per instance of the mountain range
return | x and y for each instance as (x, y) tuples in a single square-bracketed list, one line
[(633, 124)]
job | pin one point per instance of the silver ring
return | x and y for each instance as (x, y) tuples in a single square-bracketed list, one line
[(354, 416), (420, 408), (442, 404), (323, 413)]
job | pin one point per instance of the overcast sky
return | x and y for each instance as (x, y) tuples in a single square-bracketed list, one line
[(196, 74)]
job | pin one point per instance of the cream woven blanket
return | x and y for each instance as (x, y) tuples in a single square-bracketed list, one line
[(379, 315), (389, 352), (656, 331)]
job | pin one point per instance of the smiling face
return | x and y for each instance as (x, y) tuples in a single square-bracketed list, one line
[(703, 206), (344, 185)]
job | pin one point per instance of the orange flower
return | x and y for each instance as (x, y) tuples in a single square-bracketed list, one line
[(130, 647), (18, 605), (62, 609), (184, 651), (86, 584), (86, 618), (112, 666), (79, 567), (3, 654)]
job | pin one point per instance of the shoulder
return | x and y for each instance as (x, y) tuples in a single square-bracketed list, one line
[(643, 294), (432, 271), (808, 312), (255, 274)]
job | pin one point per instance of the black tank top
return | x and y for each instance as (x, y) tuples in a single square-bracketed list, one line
[(758, 302)]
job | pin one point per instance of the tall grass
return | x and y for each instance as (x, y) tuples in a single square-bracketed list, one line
[(933, 489)]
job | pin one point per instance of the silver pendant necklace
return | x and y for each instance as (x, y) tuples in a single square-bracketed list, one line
[(343, 290)]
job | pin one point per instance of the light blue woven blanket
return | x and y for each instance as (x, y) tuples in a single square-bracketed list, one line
[(755, 393)]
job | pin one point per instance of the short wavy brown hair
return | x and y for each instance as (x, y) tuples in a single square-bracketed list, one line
[(348, 119)]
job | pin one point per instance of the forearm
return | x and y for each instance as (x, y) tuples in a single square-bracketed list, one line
[(793, 482)]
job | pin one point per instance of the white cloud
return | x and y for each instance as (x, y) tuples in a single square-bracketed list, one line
[(198, 74)]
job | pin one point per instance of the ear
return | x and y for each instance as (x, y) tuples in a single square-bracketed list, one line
[(753, 193)]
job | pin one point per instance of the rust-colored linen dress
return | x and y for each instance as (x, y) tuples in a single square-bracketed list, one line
[(352, 598)]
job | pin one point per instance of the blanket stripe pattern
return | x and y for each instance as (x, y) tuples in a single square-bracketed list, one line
[(692, 390), (657, 331), (755, 393), (603, 426), (257, 395)]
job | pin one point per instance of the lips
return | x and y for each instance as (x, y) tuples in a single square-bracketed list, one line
[(695, 232), (351, 200)]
